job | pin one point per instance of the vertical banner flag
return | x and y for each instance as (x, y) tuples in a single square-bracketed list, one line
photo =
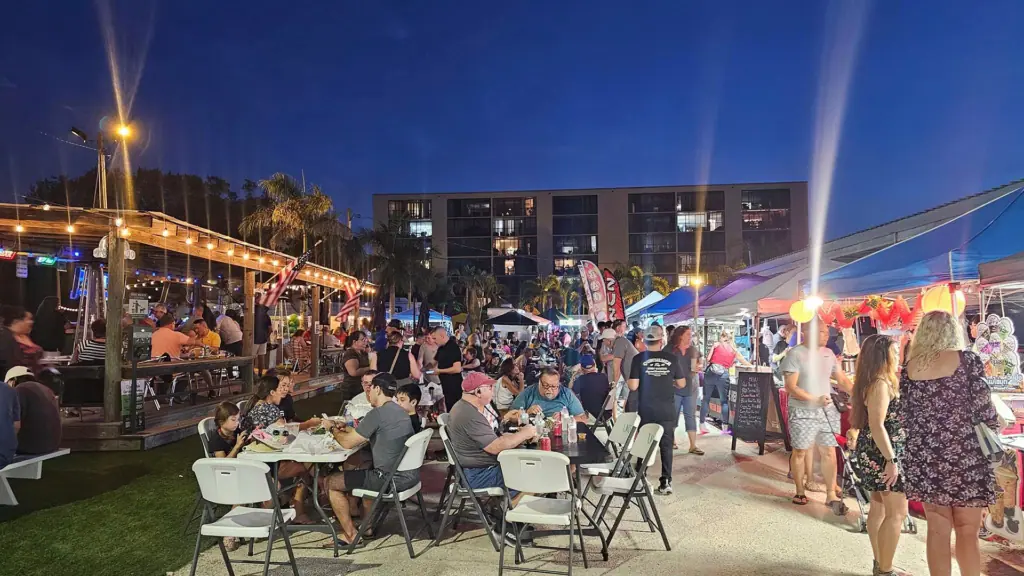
[(593, 285), (351, 302), (287, 275), (615, 308)]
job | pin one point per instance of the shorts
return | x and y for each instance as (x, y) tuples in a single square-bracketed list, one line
[(489, 477), (373, 480), (259, 349), (808, 426)]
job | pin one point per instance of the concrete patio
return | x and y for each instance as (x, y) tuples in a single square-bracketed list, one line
[(730, 515)]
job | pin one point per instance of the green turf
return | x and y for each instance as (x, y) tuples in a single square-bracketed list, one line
[(110, 513)]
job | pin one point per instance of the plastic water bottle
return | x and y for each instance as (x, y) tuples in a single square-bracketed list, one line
[(564, 415), (573, 438)]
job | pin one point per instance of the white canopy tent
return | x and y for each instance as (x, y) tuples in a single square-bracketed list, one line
[(652, 298), (772, 297)]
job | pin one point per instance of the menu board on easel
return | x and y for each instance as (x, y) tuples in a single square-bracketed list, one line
[(755, 395)]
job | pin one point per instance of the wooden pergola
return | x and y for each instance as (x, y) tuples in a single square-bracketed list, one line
[(87, 227)]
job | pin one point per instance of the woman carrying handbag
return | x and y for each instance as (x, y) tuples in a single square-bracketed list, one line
[(722, 357)]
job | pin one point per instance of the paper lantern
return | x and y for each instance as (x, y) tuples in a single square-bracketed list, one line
[(799, 312), (938, 298)]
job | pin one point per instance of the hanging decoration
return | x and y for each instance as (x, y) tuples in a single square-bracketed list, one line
[(943, 297), (828, 312), (800, 312), (996, 345), (847, 316)]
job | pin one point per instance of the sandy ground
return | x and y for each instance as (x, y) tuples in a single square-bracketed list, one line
[(730, 515)]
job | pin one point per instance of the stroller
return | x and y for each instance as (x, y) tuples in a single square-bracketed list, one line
[(849, 485)]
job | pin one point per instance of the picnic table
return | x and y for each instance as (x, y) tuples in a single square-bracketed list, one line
[(275, 457)]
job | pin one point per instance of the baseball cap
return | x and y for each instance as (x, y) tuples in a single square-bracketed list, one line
[(654, 333), (587, 360), (475, 380), (608, 334), (385, 381), (16, 372)]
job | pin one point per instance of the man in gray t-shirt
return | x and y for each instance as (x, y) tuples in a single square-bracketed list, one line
[(386, 428), (813, 419), (623, 352), (474, 440)]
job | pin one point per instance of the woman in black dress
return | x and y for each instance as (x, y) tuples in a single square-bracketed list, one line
[(880, 445)]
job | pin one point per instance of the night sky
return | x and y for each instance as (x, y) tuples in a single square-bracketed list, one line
[(439, 96)]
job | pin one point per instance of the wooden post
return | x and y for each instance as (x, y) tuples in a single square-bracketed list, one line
[(248, 324), (314, 329), (115, 312)]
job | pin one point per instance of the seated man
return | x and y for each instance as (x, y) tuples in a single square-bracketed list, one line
[(408, 398), (211, 341), (386, 428), (592, 387), (476, 444), (548, 397), (94, 350), (360, 406), (300, 351), (40, 431), (10, 417)]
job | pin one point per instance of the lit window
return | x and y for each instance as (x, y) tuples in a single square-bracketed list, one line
[(510, 266), (421, 228)]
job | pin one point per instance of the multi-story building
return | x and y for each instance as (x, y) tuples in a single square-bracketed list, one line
[(522, 235)]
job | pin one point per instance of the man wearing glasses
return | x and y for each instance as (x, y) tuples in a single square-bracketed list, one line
[(548, 397)]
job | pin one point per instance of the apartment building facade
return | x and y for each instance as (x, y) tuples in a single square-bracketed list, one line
[(521, 235)]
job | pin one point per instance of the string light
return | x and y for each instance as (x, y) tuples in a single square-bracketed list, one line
[(188, 240), (118, 222), (308, 273), (126, 232), (275, 262), (188, 280), (70, 229), (316, 275), (209, 245), (262, 259), (19, 228), (165, 233), (46, 207), (231, 251), (245, 256)]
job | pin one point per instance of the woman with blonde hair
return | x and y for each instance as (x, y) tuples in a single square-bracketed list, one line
[(943, 394), (880, 445)]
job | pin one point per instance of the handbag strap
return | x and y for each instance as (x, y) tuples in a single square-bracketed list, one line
[(395, 361)]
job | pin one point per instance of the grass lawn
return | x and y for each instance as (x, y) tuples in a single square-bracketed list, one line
[(110, 513)]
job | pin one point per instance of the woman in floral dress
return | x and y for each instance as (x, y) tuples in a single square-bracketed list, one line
[(943, 394), (880, 446)]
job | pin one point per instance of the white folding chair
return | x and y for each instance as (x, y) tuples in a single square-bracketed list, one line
[(233, 482), (620, 441), (412, 459), (442, 420), (538, 472), (205, 427), (458, 487), (633, 488)]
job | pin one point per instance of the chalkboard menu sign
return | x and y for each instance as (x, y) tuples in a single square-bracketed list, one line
[(755, 395)]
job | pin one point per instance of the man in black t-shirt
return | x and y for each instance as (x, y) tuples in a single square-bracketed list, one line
[(656, 374), (592, 387), (449, 365)]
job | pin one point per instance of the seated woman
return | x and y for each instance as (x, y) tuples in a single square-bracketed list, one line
[(261, 411), (93, 350), (470, 360), (508, 386)]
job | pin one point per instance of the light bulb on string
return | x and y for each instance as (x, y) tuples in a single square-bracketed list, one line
[(118, 222), (165, 233), (188, 240), (46, 207), (19, 228), (70, 229)]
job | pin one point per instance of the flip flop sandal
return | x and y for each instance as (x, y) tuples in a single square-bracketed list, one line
[(838, 507), (800, 500), (696, 451), (341, 544)]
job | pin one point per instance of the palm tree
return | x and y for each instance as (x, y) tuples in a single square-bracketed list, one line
[(572, 290), (291, 214), (635, 283), (531, 294), (397, 257), (471, 282), (551, 287)]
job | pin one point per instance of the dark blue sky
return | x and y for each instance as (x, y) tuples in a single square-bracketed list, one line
[(434, 96)]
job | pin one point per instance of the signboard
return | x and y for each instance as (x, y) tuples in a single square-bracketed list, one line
[(126, 405), (138, 305), (616, 310), (594, 287), (22, 267), (6, 254), (46, 260), (755, 393)]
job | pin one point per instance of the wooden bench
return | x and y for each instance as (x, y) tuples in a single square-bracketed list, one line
[(26, 466)]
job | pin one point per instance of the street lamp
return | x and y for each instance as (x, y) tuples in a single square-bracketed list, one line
[(122, 130)]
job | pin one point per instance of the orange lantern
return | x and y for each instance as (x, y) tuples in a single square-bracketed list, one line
[(800, 312)]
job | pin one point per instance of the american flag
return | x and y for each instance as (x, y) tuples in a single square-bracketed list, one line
[(287, 276), (352, 302)]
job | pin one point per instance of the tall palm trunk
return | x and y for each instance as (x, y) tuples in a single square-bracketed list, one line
[(391, 301)]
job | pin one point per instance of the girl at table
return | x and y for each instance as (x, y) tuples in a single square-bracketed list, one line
[(262, 411), (508, 386), (228, 441)]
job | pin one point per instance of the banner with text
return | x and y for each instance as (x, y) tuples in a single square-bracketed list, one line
[(616, 311), (593, 285)]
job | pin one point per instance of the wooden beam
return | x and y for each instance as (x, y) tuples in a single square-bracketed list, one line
[(114, 313), (249, 324), (314, 368)]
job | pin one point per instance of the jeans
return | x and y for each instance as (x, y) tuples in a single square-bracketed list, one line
[(686, 405), (665, 445), (719, 383), (489, 477)]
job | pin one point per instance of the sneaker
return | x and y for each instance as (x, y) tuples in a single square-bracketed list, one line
[(665, 488)]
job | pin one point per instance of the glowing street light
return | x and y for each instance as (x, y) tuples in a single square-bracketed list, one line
[(124, 131)]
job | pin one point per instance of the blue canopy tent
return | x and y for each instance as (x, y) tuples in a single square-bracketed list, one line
[(674, 301), (712, 296), (411, 317), (950, 252)]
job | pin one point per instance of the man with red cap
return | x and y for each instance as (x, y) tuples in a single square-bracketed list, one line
[(474, 436)]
